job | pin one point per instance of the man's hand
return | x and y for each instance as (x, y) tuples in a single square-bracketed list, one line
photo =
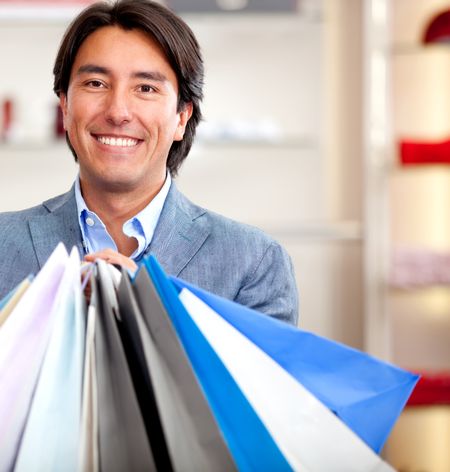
[(112, 257)]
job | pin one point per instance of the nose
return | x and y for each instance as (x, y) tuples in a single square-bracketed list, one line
[(118, 108)]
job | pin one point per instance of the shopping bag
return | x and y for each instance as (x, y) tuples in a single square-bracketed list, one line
[(51, 435), (365, 393), (23, 341), (310, 436), (133, 335), (6, 298), (248, 440), (88, 451), (193, 438), (123, 443), (8, 303)]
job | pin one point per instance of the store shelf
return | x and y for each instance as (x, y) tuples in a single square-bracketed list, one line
[(292, 143), (407, 49), (29, 146), (46, 13), (343, 231)]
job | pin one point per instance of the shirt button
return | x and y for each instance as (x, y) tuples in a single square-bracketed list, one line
[(90, 221)]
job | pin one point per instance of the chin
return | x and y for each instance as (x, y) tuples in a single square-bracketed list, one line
[(121, 185), (114, 183)]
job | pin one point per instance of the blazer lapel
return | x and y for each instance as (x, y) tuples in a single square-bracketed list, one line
[(179, 234), (59, 225)]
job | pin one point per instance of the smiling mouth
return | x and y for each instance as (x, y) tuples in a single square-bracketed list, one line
[(117, 142)]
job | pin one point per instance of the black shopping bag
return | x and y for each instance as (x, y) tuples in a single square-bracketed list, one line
[(123, 443), (193, 437)]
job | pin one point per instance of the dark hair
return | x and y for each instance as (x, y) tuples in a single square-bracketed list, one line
[(173, 35)]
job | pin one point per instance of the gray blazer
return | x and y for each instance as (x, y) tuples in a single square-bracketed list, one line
[(227, 258)]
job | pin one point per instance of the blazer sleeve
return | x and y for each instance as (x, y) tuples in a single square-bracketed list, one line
[(271, 288)]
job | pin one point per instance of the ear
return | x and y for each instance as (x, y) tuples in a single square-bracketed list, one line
[(184, 116), (63, 105)]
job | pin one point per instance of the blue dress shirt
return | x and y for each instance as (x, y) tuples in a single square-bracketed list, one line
[(141, 226)]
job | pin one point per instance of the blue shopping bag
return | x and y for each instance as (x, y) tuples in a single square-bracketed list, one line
[(249, 442), (367, 394)]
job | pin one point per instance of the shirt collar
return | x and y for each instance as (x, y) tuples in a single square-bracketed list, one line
[(141, 226), (148, 217)]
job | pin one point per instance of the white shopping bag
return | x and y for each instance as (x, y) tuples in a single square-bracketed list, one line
[(23, 341), (52, 431)]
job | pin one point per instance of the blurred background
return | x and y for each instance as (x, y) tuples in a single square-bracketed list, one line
[(326, 125)]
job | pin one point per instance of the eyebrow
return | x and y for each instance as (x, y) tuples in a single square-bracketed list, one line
[(146, 75)]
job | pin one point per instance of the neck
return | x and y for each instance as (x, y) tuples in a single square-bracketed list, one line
[(115, 208)]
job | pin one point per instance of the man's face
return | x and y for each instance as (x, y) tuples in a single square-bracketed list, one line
[(120, 111)]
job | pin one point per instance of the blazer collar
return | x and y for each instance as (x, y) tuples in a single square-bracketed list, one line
[(59, 224), (180, 232)]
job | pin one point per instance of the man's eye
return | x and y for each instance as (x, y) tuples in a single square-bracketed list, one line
[(95, 83), (146, 88)]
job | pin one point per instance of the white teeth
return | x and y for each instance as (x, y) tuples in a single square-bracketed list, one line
[(121, 142)]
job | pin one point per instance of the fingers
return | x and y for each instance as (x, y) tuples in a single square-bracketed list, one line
[(112, 257)]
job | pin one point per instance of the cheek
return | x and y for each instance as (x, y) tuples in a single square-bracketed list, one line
[(74, 125), (161, 122), (70, 125), (80, 109), (70, 117)]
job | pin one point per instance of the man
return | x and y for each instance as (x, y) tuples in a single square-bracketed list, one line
[(129, 77)]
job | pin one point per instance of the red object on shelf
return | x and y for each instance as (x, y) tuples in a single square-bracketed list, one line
[(59, 122), (7, 112), (432, 389), (421, 152), (438, 29)]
